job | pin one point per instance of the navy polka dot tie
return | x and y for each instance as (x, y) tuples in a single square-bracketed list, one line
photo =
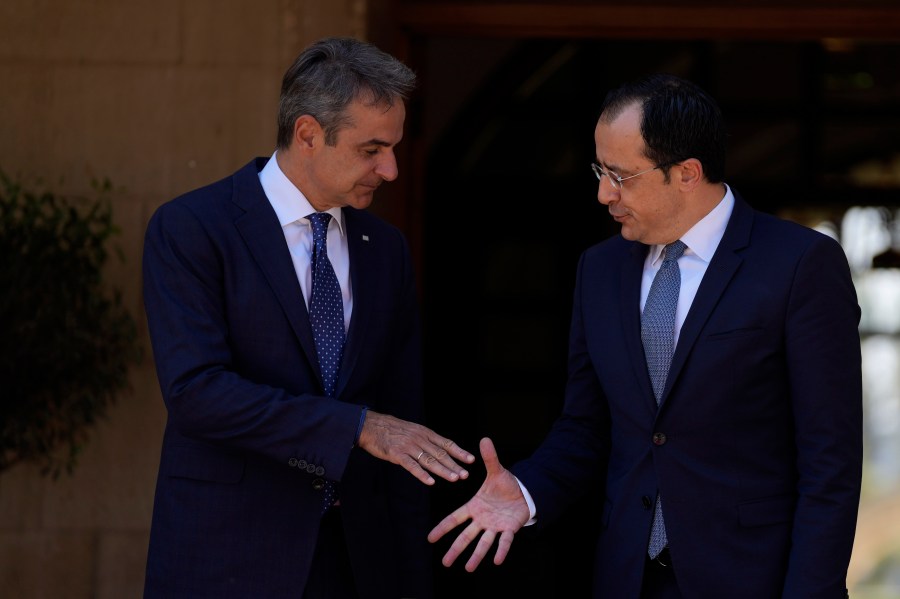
[(326, 315), (658, 337)]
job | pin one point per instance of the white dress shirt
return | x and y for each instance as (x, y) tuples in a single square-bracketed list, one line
[(291, 207)]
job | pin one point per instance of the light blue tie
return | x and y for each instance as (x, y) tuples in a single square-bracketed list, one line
[(326, 315), (658, 337)]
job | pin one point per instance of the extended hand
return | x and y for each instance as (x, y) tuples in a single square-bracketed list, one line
[(413, 446), (497, 507)]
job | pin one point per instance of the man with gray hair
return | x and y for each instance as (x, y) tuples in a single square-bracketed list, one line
[(284, 324)]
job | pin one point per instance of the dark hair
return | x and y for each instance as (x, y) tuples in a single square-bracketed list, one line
[(329, 75), (679, 121)]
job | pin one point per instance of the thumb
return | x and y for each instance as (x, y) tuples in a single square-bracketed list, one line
[(489, 457)]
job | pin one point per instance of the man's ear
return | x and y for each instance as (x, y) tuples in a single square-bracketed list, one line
[(691, 174), (307, 132)]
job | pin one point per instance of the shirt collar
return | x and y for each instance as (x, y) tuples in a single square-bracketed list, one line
[(289, 203), (703, 238)]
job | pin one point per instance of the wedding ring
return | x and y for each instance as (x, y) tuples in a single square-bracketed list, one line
[(421, 453)]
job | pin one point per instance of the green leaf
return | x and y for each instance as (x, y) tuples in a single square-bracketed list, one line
[(66, 340)]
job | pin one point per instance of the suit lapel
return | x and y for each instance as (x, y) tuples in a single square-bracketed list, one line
[(630, 309), (261, 232), (361, 245), (725, 263)]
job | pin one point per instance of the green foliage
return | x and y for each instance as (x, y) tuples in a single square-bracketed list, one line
[(66, 341)]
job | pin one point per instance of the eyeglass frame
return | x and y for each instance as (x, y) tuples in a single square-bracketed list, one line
[(616, 181)]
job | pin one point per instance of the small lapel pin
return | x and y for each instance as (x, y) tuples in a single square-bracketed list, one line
[(365, 238)]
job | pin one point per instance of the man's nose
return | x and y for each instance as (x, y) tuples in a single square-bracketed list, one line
[(387, 167), (606, 193)]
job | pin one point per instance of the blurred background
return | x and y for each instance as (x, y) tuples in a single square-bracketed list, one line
[(162, 97)]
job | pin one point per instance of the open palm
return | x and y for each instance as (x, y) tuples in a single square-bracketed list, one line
[(498, 508)]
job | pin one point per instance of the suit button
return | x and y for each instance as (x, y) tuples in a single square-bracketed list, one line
[(320, 471), (645, 501), (659, 438), (301, 464), (292, 462), (318, 484), (311, 468)]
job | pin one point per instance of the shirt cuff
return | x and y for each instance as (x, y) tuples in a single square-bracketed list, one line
[(531, 509)]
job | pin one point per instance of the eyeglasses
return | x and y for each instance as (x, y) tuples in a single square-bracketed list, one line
[(615, 180)]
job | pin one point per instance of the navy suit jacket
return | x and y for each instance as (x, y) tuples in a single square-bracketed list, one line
[(756, 448), (250, 437)]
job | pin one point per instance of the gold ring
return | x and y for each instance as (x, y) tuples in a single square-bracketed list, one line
[(421, 453)]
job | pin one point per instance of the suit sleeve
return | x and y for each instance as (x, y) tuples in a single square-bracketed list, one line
[(824, 362), (193, 281)]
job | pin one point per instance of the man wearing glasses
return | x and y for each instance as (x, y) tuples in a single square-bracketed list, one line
[(714, 381)]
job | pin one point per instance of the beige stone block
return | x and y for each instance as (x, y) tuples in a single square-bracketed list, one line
[(111, 488), (49, 565), (121, 564), (99, 31), (237, 123), (77, 124), (231, 32), (123, 268), (21, 488), (319, 18), (24, 105), (112, 122), (153, 132)]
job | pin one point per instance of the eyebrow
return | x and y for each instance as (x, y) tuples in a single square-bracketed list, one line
[(610, 167), (375, 142)]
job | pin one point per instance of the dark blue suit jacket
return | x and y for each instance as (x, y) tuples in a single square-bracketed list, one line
[(250, 437), (756, 448)]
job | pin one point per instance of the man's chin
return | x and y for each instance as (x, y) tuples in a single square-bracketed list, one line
[(361, 202), (628, 233)]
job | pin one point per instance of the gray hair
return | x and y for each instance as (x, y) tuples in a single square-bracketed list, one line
[(329, 75)]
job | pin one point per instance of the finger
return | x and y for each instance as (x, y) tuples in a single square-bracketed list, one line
[(447, 453), (450, 522), (455, 451), (446, 468), (442, 447), (450, 556), (481, 549), (489, 456), (459, 545), (503, 545), (415, 468)]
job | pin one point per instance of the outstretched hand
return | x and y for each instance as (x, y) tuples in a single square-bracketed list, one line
[(497, 508), (415, 447)]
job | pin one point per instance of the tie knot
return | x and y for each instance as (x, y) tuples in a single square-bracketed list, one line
[(674, 250), (319, 222)]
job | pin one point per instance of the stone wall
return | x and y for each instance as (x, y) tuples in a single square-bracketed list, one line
[(159, 96)]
